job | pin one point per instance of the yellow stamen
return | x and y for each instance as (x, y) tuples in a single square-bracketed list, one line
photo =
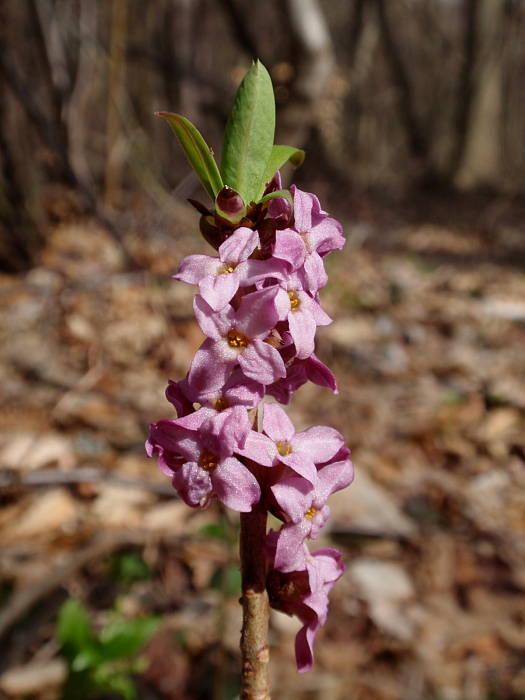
[(283, 448), (227, 268), (236, 339), (220, 404), (295, 302), (310, 513), (208, 461)]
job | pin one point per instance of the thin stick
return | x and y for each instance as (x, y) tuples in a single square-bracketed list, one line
[(254, 637), (11, 479)]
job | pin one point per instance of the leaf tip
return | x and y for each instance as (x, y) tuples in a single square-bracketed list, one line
[(297, 158)]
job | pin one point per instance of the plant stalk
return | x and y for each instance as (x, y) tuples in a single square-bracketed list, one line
[(256, 610)]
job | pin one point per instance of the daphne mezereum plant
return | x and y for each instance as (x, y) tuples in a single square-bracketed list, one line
[(258, 306)]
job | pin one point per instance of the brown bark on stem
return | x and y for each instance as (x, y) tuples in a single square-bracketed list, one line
[(254, 636)]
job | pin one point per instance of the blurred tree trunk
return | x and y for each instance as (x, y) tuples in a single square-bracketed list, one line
[(356, 30), (240, 27), (86, 77), (480, 135), (34, 137), (115, 102), (57, 126), (314, 64), (19, 236), (417, 140), (465, 87)]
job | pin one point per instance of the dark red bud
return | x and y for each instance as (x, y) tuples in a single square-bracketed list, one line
[(229, 205), (229, 201)]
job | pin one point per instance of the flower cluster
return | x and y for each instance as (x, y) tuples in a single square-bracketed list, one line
[(258, 306)]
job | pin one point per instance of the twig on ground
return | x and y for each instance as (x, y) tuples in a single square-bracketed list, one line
[(58, 477)]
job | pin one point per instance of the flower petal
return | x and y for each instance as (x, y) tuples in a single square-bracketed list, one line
[(175, 439), (326, 235), (211, 366), (289, 552), (289, 246), (241, 391), (259, 448), (239, 246), (193, 484), (235, 485), (276, 423), (335, 476), (302, 465), (194, 268), (257, 313), (212, 323), (194, 420), (176, 395), (320, 443), (318, 373), (261, 362), (219, 290), (302, 209), (253, 271), (302, 327), (304, 652), (294, 495), (231, 427), (313, 272)]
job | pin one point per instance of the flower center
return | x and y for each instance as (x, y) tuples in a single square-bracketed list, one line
[(283, 448), (227, 269), (295, 302), (310, 513), (236, 339), (220, 404), (208, 461)]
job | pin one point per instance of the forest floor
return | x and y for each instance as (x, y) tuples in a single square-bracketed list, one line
[(428, 345)]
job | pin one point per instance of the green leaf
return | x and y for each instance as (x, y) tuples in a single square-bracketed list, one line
[(88, 657), (197, 152), (129, 566), (106, 680), (123, 686), (231, 581), (216, 530), (249, 134), (123, 638), (279, 156), (227, 579), (278, 194), (73, 627)]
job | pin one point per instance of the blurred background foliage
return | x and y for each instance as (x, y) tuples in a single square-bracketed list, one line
[(384, 95)]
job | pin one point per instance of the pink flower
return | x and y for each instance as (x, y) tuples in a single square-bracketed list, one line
[(298, 372), (200, 459), (300, 451), (305, 595), (236, 336), (303, 504), (303, 314), (313, 235), (220, 278), (237, 391)]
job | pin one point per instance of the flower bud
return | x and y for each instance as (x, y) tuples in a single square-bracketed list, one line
[(229, 205)]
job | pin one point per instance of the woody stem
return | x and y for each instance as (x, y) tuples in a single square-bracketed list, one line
[(255, 607)]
